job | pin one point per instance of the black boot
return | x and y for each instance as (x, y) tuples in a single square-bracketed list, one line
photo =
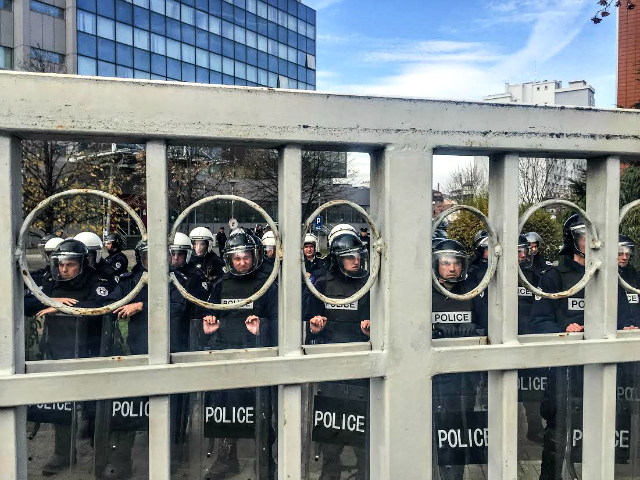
[(59, 461), (227, 462)]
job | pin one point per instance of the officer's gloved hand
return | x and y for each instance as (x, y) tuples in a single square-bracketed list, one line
[(444, 330), (467, 329)]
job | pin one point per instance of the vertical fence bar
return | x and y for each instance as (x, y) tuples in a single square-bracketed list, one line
[(400, 414), (600, 319), (158, 227), (13, 423), (290, 309), (503, 316)]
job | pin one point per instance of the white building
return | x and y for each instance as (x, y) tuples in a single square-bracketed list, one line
[(548, 92)]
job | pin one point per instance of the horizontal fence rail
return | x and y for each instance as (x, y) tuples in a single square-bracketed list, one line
[(402, 136)]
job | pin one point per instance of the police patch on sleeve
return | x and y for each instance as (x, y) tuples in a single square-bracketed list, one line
[(103, 292), (205, 285), (118, 265)]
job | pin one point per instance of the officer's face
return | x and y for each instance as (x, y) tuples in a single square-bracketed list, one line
[(108, 246), (449, 268), (485, 253), (178, 258), (582, 242), (533, 248), (624, 255), (68, 269), (309, 250), (271, 252), (351, 263), (522, 255), (200, 247), (144, 259), (242, 262)]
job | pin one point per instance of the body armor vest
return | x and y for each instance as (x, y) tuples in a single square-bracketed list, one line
[(571, 309), (233, 333), (525, 303), (447, 310), (343, 321)]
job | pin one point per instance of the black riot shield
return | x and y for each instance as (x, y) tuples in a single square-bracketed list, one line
[(222, 433)]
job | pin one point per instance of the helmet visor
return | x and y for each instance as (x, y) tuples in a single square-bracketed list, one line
[(144, 258), (201, 246), (95, 254), (243, 260), (66, 266), (179, 256), (450, 265), (525, 259), (270, 251), (625, 252), (579, 234), (354, 262)]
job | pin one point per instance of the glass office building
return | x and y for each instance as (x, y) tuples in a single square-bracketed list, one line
[(231, 42)]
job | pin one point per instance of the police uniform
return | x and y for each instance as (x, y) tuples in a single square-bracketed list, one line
[(525, 300), (315, 267), (118, 261), (195, 282), (563, 397), (477, 269), (210, 264), (107, 272), (631, 276)]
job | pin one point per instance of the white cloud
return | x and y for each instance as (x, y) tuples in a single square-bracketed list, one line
[(320, 4)]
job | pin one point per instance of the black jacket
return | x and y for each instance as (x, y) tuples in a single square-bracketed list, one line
[(118, 261)]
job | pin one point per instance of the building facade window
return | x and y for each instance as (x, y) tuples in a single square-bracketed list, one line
[(234, 42), (46, 9), (6, 58), (46, 56), (5, 4)]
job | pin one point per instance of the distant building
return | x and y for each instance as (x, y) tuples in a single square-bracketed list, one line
[(628, 58), (577, 93)]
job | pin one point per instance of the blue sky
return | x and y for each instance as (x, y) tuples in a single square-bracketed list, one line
[(461, 50)]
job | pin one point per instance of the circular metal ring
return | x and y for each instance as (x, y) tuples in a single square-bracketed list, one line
[(495, 251), (623, 213), (267, 284), (595, 245), (375, 263), (21, 255)]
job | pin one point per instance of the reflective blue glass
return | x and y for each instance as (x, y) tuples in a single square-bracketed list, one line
[(241, 70), (89, 5), (227, 30), (273, 2), (188, 15), (202, 39), (106, 50), (124, 72), (282, 35), (252, 56), (252, 74), (188, 34), (302, 43), (240, 82), (240, 52), (143, 75), (124, 12), (215, 77), (273, 64), (252, 22), (188, 72), (215, 7), (311, 76), (227, 66), (302, 58), (311, 46), (292, 39), (227, 80), (189, 2), (124, 55), (227, 12), (302, 74), (202, 5), (202, 20), (215, 43), (273, 30), (282, 66), (158, 64), (202, 75), (292, 7), (158, 77), (239, 16), (263, 77), (86, 66), (302, 12), (263, 60), (141, 60), (311, 16), (227, 48), (158, 24), (263, 28), (107, 8), (141, 17), (106, 28), (282, 5), (86, 45), (174, 69), (173, 29), (240, 3), (188, 53), (158, 6), (273, 80), (292, 70), (106, 69)]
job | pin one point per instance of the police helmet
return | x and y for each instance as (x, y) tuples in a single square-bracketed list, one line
[(533, 237), (481, 240), (347, 252), (269, 243), (115, 240), (241, 247), (310, 238), (68, 260), (450, 261), (626, 246), (51, 245), (93, 244), (524, 251), (42, 242), (202, 234), (181, 244), (142, 254), (573, 232)]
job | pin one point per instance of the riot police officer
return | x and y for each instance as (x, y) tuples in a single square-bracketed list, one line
[(119, 461), (626, 250), (538, 261), (73, 282), (203, 256), (116, 259), (564, 393), (94, 245), (347, 272), (454, 395), (437, 237), (314, 265), (253, 325), (479, 261), (46, 248), (269, 244)]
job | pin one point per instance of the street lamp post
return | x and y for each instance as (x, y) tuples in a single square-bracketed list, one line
[(232, 182)]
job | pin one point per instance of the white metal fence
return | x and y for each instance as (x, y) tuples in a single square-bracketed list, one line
[(401, 135)]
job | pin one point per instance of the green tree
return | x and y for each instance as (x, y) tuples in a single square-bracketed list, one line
[(545, 225), (464, 227)]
